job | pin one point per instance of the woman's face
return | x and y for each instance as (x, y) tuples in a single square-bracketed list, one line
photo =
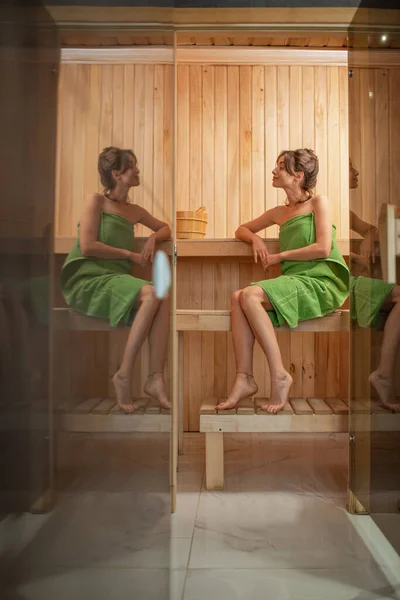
[(131, 175), (353, 177), (280, 177)]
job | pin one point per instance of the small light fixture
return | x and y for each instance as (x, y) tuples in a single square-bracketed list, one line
[(371, 94), (384, 38)]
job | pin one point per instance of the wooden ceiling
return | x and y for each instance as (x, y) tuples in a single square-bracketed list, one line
[(103, 37)]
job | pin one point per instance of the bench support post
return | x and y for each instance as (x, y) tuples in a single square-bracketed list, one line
[(214, 461)]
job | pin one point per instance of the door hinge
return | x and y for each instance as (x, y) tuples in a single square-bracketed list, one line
[(175, 255)]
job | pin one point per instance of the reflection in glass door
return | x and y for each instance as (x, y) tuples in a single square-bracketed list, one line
[(374, 111)]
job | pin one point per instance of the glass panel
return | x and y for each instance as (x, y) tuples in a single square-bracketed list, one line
[(29, 57), (109, 529), (374, 91)]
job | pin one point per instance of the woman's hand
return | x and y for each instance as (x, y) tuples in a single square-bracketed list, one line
[(272, 259), (137, 258), (149, 249), (259, 249), (367, 246)]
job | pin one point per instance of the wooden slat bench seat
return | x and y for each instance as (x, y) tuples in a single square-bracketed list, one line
[(197, 320), (311, 415), (102, 415)]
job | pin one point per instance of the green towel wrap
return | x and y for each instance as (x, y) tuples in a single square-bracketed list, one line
[(306, 289), (99, 287)]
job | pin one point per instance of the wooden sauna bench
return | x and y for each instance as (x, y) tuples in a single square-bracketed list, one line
[(311, 415), (92, 415)]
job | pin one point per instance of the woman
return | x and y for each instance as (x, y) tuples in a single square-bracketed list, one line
[(96, 276), (314, 280), (367, 297)]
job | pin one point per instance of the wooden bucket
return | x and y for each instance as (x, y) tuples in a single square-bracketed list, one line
[(191, 224)]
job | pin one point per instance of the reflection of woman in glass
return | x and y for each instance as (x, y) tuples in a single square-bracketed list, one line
[(367, 297), (314, 280), (96, 276)]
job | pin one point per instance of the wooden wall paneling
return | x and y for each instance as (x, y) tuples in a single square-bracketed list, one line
[(394, 141), (245, 133), (207, 148), (344, 350), (157, 205), (230, 354), (308, 101), (222, 301), (271, 139), (295, 107), (67, 108), (283, 109), (207, 338), (106, 113), (195, 116), (193, 348), (354, 133), (321, 127), (118, 106), (344, 152), (258, 141), (382, 154), (148, 133), (332, 362), (233, 151), (308, 365), (139, 136), (220, 155), (92, 118), (168, 127), (333, 147), (321, 387), (367, 164)]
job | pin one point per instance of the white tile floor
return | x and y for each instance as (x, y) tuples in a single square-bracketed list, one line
[(279, 530)]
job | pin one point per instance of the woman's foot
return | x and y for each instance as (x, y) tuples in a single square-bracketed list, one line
[(280, 388), (122, 387), (385, 390), (244, 387), (155, 388)]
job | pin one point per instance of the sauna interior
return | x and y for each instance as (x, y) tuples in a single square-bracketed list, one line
[(191, 502), (207, 112)]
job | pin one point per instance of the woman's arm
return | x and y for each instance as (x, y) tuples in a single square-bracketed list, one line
[(368, 232), (89, 226), (323, 236), (248, 232), (161, 233)]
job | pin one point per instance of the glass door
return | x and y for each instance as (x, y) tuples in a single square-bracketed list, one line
[(374, 109)]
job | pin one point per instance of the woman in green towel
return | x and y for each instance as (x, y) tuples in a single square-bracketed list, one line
[(314, 280), (367, 297), (96, 276)]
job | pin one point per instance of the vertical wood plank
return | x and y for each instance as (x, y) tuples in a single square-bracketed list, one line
[(221, 207), (271, 140), (195, 187), (208, 136), (233, 198), (258, 139), (245, 143)]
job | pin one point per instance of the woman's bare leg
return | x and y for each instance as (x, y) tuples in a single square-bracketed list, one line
[(122, 380), (243, 344), (382, 378), (158, 343), (255, 302)]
